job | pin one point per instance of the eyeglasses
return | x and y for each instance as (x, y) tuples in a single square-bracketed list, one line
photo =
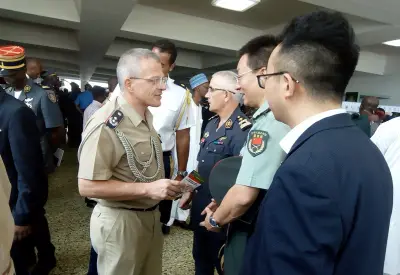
[(243, 74), (263, 78), (160, 82), (212, 90)]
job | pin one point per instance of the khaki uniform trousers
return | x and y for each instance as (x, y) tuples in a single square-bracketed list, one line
[(127, 242)]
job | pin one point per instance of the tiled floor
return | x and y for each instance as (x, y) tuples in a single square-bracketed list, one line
[(69, 224)]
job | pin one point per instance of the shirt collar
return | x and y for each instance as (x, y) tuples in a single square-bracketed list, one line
[(131, 113), (170, 82), (261, 110), (97, 103), (289, 140)]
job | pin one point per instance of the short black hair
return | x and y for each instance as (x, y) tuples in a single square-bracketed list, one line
[(259, 50), (166, 46), (98, 92), (319, 49)]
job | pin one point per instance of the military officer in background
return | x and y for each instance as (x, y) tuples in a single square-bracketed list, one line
[(172, 121), (224, 137), (121, 167), (44, 103), (24, 164), (262, 155)]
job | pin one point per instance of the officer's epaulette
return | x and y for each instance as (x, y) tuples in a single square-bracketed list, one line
[(211, 118), (244, 123), (115, 119)]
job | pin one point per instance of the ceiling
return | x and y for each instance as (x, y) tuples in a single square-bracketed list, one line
[(84, 38)]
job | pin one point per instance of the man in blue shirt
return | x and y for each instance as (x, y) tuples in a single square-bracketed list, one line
[(84, 99)]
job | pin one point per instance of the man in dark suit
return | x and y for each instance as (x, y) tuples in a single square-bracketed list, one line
[(326, 211), (21, 152)]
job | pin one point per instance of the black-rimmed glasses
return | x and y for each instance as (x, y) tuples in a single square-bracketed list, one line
[(261, 79), (160, 82)]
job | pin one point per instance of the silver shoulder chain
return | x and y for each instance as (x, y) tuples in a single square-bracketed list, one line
[(131, 156)]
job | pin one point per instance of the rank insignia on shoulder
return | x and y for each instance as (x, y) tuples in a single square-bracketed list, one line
[(52, 96), (257, 142), (244, 123), (228, 124), (115, 119), (27, 89)]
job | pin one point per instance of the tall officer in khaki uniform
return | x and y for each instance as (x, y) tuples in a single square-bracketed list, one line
[(121, 167)]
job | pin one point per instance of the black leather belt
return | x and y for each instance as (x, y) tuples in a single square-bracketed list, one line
[(167, 153), (141, 210)]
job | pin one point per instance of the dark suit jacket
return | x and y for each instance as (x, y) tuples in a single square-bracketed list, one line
[(328, 209), (22, 156)]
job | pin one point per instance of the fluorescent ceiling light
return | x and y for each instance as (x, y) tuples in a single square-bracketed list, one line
[(235, 5), (394, 43)]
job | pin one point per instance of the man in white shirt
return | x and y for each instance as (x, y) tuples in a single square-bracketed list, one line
[(99, 95), (172, 121), (199, 85), (387, 138)]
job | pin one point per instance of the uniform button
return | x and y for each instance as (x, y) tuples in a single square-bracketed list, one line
[(142, 153), (215, 150), (207, 148), (202, 160)]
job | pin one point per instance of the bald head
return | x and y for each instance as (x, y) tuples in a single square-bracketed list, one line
[(33, 68), (369, 105)]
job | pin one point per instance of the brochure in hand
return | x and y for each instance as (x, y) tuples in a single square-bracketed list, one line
[(193, 181)]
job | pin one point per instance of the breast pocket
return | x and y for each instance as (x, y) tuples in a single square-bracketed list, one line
[(216, 151)]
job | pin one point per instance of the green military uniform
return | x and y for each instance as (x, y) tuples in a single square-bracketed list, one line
[(262, 156)]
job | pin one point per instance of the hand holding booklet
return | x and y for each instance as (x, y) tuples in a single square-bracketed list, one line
[(193, 181)]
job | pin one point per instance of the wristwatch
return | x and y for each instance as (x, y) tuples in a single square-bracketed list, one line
[(182, 173), (213, 222)]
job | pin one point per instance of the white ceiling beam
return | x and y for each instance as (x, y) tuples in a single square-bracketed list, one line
[(56, 13), (40, 35), (191, 29), (186, 58), (371, 63), (101, 21)]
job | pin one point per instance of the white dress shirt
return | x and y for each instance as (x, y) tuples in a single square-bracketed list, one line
[(290, 139), (166, 116), (90, 110), (6, 223), (387, 139), (195, 136)]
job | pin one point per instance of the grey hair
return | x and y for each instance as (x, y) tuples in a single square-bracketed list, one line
[(129, 64), (231, 79)]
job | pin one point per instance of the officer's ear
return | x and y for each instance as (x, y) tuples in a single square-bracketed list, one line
[(172, 67), (127, 84)]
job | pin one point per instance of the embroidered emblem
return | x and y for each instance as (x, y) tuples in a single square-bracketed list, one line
[(257, 142), (228, 124), (115, 119), (27, 89), (52, 96), (206, 135)]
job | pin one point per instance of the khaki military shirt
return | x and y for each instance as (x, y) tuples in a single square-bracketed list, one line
[(102, 155)]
